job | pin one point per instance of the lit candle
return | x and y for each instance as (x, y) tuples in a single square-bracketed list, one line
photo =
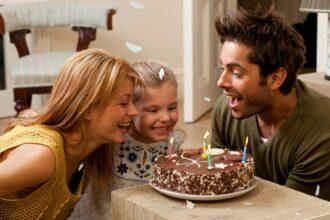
[(170, 149), (205, 144), (209, 157), (244, 150)]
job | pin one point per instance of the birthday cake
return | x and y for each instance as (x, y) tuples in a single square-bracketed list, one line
[(188, 172)]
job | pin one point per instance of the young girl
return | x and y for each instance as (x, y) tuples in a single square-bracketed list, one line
[(41, 171), (148, 137), (151, 131)]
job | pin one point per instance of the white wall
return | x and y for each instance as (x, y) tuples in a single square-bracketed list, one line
[(290, 10), (157, 28)]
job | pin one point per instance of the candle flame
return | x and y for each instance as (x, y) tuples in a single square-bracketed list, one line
[(171, 140), (206, 135), (246, 141)]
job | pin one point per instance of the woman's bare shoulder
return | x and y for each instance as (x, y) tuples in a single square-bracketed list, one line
[(26, 166)]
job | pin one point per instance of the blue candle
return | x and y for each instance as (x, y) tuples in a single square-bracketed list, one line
[(244, 150)]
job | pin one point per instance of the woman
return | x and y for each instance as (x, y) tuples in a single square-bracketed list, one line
[(45, 161)]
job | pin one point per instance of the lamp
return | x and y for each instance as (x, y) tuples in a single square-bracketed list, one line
[(315, 6), (319, 6)]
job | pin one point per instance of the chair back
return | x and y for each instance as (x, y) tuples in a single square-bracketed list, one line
[(56, 13), (35, 73)]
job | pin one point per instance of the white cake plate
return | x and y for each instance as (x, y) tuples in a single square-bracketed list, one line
[(204, 197)]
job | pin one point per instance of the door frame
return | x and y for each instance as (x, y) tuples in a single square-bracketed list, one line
[(200, 55)]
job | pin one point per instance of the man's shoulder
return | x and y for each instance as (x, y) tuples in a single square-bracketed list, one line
[(314, 106), (310, 97)]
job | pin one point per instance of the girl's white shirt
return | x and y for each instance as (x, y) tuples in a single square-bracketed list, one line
[(133, 159), (96, 203)]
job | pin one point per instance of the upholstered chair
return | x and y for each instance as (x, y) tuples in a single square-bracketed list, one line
[(35, 73)]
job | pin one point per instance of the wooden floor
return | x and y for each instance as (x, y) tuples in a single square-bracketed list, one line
[(194, 131)]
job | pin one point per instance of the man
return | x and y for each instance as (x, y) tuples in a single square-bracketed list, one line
[(288, 125)]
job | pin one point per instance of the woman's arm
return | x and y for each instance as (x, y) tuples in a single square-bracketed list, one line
[(25, 166)]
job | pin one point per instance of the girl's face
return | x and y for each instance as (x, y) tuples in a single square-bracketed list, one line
[(109, 124), (157, 114)]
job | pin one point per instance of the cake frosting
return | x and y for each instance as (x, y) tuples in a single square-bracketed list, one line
[(188, 172)]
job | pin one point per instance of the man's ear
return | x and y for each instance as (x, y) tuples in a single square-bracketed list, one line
[(277, 78)]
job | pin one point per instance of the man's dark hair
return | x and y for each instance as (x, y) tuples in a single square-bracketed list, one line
[(272, 41)]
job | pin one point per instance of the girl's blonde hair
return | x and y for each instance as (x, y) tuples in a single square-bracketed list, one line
[(87, 80), (152, 75)]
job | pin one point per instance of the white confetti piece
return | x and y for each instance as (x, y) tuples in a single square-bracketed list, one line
[(220, 165), (172, 155), (161, 73), (133, 47), (297, 213), (190, 205), (137, 5), (81, 166), (248, 203), (317, 191), (215, 151), (234, 153), (208, 99)]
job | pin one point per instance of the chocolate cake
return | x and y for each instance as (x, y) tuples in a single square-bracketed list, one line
[(188, 172)]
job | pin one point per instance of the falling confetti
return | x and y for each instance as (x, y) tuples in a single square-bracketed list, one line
[(80, 166), (161, 73), (190, 205), (297, 213), (137, 5), (208, 99), (133, 47), (317, 191), (248, 203)]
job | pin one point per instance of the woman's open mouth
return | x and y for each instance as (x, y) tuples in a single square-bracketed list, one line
[(124, 126)]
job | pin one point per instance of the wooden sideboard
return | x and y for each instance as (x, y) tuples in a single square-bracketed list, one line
[(316, 82)]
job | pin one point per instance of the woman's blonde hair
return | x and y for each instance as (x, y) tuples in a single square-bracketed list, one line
[(87, 80), (152, 75)]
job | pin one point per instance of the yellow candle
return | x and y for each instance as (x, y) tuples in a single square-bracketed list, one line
[(204, 155)]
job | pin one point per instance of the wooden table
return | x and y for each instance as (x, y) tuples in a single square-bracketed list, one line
[(266, 201)]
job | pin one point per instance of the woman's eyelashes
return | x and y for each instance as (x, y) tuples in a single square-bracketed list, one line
[(124, 102)]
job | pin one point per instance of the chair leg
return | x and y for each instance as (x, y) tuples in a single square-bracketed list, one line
[(22, 97)]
